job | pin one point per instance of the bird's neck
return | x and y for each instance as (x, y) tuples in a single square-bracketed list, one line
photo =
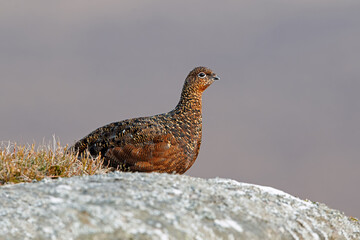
[(190, 102)]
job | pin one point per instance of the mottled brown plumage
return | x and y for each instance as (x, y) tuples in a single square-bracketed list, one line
[(168, 142)]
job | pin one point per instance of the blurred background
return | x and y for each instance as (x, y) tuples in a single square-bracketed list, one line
[(285, 113)]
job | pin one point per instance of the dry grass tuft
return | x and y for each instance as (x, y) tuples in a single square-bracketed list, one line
[(28, 163)]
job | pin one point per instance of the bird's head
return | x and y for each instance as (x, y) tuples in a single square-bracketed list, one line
[(200, 78)]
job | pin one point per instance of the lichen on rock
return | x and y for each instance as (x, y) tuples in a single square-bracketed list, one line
[(163, 206)]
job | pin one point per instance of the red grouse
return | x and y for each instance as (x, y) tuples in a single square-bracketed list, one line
[(168, 142)]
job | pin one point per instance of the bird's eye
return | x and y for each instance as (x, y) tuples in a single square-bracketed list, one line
[(202, 75)]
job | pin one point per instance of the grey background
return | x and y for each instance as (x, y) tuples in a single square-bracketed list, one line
[(285, 113)]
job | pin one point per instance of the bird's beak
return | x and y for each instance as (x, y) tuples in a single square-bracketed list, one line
[(215, 77)]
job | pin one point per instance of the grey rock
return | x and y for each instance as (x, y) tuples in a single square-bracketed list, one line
[(163, 206)]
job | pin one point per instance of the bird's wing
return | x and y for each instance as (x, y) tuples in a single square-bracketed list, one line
[(137, 145), (146, 155)]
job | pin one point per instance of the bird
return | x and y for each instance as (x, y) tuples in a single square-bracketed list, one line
[(164, 143)]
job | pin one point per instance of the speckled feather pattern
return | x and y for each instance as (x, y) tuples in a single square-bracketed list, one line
[(168, 142)]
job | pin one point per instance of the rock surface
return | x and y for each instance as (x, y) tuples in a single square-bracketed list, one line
[(162, 206)]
